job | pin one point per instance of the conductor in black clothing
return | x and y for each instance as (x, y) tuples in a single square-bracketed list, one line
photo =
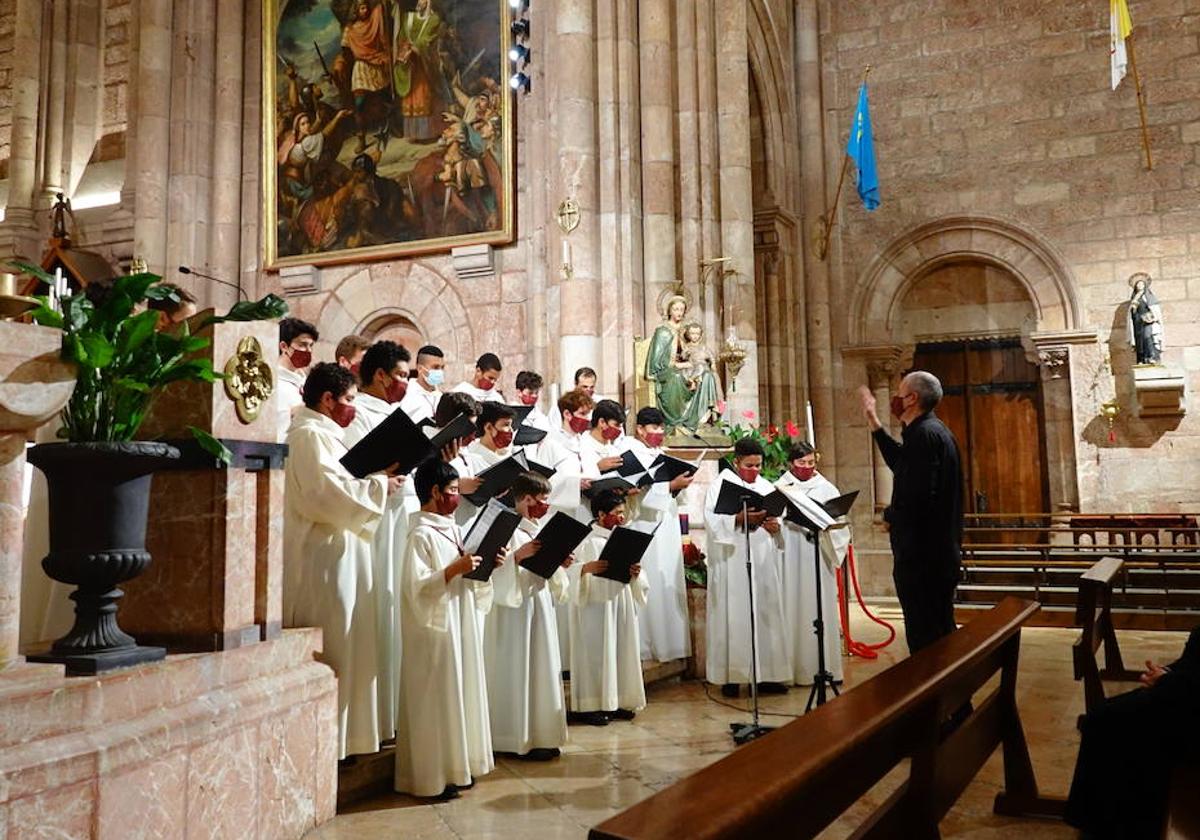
[(925, 517), (1128, 746)]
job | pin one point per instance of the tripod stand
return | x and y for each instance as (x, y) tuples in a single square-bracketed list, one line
[(823, 679), (746, 732)]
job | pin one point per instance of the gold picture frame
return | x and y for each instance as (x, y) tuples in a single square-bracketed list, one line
[(379, 129)]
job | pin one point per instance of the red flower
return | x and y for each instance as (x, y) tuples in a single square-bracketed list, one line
[(792, 429), (720, 406), (772, 432)]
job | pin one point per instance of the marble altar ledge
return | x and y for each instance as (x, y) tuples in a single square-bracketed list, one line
[(234, 744)]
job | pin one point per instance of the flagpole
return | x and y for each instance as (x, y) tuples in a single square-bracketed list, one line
[(828, 218), (1141, 100)]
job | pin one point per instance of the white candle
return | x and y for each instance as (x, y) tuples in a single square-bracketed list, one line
[(8, 285), (808, 419), (566, 252)]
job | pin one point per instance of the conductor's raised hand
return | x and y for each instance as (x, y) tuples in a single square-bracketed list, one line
[(526, 551), (869, 406)]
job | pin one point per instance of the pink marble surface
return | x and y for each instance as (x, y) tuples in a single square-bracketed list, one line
[(268, 572), (233, 744)]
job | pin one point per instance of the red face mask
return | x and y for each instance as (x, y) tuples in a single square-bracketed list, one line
[(579, 425), (529, 399), (749, 474), (897, 406), (654, 439), (448, 504), (467, 441), (610, 433), (538, 509), (342, 414), (804, 473), (502, 438), (395, 391), (354, 368), (301, 358), (611, 520), (485, 384)]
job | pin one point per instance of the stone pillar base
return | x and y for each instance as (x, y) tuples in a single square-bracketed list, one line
[(239, 744)]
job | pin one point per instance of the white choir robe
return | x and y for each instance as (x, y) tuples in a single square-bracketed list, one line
[(290, 388), (467, 466), (728, 627), (418, 403), (799, 584), (443, 735), (330, 518), (665, 623), (536, 418), (387, 551), (480, 395), (606, 662), (524, 670)]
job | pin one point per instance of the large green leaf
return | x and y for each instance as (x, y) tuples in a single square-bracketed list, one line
[(98, 351), (34, 270), (266, 309), (211, 445), (134, 332)]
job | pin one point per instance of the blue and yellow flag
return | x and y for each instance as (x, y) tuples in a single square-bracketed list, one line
[(861, 149)]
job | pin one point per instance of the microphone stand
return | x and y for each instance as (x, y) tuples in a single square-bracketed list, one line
[(745, 732), (184, 269), (823, 679)]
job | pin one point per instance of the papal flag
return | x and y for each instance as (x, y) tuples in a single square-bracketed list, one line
[(1120, 27)]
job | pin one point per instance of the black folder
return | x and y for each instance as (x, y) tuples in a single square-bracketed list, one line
[(497, 479), (535, 467), (625, 547), (610, 481), (559, 537), (457, 429), (521, 414), (490, 532), (396, 439), (730, 499), (630, 466), (840, 506), (668, 467), (528, 436)]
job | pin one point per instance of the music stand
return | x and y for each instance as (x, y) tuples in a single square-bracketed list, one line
[(823, 678)]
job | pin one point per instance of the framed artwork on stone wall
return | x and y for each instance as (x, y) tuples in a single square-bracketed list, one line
[(387, 128)]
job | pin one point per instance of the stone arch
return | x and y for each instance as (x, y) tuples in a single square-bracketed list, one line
[(1030, 259), (769, 76), (412, 291)]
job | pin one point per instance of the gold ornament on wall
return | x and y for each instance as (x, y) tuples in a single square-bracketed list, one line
[(1109, 410), (568, 215), (249, 380)]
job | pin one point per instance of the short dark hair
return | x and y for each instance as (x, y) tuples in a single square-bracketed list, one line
[(747, 446), (529, 379), (430, 350), (453, 404), (349, 345), (433, 472), (529, 484), (382, 355), (584, 371), (606, 501), (607, 410), (573, 401), (800, 449), (488, 361), (651, 416), (292, 328), (493, 412), (326, 377)]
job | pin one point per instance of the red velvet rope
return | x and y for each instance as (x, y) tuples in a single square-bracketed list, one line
[(860, 649)]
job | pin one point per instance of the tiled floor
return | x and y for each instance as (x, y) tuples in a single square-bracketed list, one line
[(604, 770)]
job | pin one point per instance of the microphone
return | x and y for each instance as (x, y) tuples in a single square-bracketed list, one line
[(183, 269)]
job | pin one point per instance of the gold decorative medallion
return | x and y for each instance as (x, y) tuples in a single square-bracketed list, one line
[(249, 380), (568, 215)]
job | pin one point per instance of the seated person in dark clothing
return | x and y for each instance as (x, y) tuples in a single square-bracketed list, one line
[(1128, 747)]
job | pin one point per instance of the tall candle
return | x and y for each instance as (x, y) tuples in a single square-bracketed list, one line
[(808, 419), (8, 285)]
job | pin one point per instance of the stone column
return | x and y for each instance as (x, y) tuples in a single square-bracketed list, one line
[(55, 101), (224, 229), (658, 103), (882, 367), (85, 68), (19, 228), (12, 531), (250, 243), (147, 164)]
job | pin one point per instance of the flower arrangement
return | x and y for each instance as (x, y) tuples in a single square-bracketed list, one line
[(775, 441)]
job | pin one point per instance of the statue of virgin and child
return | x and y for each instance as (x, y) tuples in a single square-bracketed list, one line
[(681, 369)]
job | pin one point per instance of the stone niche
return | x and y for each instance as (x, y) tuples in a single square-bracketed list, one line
[(1160, 391)]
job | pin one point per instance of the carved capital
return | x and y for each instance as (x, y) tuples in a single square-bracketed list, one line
[(882, 362), (1054, 361)]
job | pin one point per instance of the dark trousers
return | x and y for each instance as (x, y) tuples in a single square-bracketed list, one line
[(926, 593)]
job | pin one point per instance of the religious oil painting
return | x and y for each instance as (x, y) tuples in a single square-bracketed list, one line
[(387, 128)]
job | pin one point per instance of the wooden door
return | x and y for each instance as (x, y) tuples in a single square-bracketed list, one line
[(993, 405)]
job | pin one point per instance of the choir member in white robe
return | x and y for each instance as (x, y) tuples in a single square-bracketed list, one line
[(421, 400), (350, 351), (529, 391), (799, 571), (383, 374), (443, 737), (450, 407), (728, 628), (524, 670), (664, 622), (482, 387), (585, 380), (329, 521), (296, 340), (606, 661)]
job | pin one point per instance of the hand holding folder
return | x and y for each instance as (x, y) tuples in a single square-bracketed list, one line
[(625, 548), (557, 539)]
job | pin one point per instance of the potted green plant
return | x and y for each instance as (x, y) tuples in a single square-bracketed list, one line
[(99, 476)]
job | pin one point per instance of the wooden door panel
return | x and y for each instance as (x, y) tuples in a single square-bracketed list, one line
[(1006, 452)]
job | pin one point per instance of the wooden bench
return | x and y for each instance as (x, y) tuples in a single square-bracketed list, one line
[(797, 780), (1093, 613), (1183, 816)]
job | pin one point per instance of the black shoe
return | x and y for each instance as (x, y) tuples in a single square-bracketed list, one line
[(621, 714), (541, 754), (348, 761), (451, 792), (730, 690), (588, 718), (466, 787), (772, 688)]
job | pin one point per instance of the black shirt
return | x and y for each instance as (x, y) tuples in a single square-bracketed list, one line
[(926, 512)]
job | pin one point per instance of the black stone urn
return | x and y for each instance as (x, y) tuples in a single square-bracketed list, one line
[(99, 500)]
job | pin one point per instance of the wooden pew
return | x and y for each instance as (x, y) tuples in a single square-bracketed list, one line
[(1093, 613), (1183, 817), (797, 780)]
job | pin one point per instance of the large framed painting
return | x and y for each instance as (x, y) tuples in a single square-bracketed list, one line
[(387, 128)]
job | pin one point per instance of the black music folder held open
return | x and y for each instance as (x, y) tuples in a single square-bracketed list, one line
[(457, 429), (490, 532), (668, 467), (396, 439), (558, 537), (840, 506), (497, 479), (625, 547)]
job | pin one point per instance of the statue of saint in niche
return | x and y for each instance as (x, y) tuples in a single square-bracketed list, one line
[(1145, 321), (681, 368)]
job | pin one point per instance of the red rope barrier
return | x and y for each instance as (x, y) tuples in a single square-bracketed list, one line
[(864, 650)]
